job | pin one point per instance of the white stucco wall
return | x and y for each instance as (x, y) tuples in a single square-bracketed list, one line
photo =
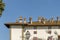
[(41, 32), (16, 33)]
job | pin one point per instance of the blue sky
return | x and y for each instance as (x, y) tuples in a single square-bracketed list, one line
[(16, 8)]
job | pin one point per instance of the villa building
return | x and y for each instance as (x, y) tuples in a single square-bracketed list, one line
[(42, 29)]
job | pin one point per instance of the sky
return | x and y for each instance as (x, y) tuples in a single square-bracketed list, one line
[(26, 8)]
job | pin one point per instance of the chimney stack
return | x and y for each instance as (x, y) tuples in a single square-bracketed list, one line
[(43, 20), (24, 20), (39, 19), (30, 20), (51, 19), (58, 18), (20, 19)]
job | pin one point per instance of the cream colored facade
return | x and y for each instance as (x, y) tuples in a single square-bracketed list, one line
[(16, 32)]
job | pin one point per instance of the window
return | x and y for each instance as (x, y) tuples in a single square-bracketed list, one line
[(55, 27), (49, 27), (58, 27), (35, 32), (35, 27)]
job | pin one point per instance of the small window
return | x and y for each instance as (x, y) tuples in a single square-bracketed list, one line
[(58, 27), (55, 27), (49, 27), (35, 32), (35, 27)]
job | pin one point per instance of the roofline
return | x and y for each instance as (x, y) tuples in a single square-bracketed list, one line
[(27, 24), (9, 24)]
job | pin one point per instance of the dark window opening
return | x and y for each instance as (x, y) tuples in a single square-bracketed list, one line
[(49, 27), (35, 32)]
